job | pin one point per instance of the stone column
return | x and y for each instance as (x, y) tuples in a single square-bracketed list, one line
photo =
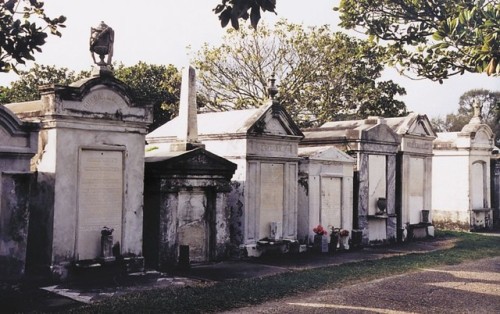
[(391, 226), (363, 197)]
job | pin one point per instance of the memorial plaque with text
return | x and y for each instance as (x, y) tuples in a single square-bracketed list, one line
[(100, 199)]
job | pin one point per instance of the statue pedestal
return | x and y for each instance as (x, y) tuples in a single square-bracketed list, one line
[(102, 70)]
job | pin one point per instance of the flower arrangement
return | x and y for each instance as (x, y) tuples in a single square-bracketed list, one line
[(319, 230), (344, 233)]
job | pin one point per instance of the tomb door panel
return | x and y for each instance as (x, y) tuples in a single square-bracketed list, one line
[(377, 181), (271, 197), (478, 185), (193, 229), (331, 202), (416, 188), (100, 200)]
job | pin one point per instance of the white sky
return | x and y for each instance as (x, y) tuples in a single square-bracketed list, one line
[(159, 32)]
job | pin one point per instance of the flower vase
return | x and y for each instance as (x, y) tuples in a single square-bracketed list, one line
[(334, 240), (317, 242)]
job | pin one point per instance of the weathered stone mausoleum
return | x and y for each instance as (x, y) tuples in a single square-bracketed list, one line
[(89, 172), (185, 195), (263, 144), (414, 176), (18, 144), (374, 146), (461, 183), (325, 190)]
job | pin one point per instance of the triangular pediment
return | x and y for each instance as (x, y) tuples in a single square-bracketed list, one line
[(381, 133), (419, 129), (421, 126), (274, 120), (190, 163), (327, 153), (412, 124)]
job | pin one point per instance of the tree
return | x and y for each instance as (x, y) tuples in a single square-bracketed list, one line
[(156, 84), (26, 87), (323, 76), (20, 32), (490, 111), (234, 10), (435, 39)]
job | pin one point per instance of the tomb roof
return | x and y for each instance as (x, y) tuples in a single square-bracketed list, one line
[(372, 129), (329, 153), (411, 124), (228, 123), (193, 162)]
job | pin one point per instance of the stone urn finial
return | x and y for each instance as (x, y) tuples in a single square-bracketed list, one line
[(102, 39), (272, 89)]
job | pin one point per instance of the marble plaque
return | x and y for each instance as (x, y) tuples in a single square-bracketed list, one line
[(100, 199), (272, 148), (271, 196), (417, 145)]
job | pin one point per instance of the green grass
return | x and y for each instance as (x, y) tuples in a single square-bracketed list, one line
[(238, 293)]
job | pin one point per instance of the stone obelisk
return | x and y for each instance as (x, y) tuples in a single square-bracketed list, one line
[(187, 136)]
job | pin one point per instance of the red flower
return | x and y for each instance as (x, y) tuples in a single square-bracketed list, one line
[(319, 230)]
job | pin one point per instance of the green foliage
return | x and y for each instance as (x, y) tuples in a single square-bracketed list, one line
[(20, 32), (26, 87), (434, 39), (490, 112), (156, 84), (322, 75), (234, 10), (239, 293)]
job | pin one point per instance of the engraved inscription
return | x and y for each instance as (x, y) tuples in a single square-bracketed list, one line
[(271, 149), (100, 196), (106, 100), (419, 145)]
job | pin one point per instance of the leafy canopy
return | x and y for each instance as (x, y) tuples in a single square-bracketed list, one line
[(433, 38), (489, 102), (20, 32), (156, 84), (233, 10), (322, 75), (26, 87)]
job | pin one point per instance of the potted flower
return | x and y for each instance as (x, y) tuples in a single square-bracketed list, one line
[(344, 239), (320, 239)]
